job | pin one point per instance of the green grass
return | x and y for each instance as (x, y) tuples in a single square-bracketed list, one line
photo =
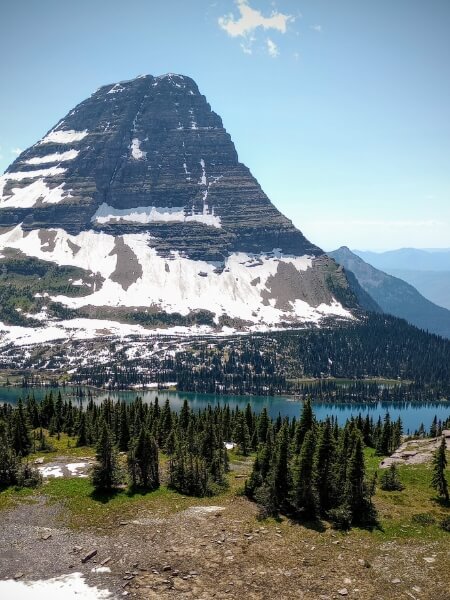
[(65, 446), (414, 512), (397, 509), (372, 460), (11, 496), (86, 508), (89, 508)]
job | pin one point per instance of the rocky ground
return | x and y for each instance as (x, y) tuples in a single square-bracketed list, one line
[(218, 550), (414, 452)]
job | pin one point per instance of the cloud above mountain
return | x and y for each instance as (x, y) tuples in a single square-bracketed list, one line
[(251, 20)]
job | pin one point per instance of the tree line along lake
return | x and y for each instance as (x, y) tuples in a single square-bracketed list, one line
[(413, 414)]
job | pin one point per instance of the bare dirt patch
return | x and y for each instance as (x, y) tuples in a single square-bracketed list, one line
[(220, 551)]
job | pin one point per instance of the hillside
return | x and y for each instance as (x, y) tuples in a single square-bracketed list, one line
[(394, 296)]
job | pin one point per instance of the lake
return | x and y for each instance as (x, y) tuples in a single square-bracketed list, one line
[(411, 413)]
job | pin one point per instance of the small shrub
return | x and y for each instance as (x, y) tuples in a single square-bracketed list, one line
[(423, 519), (28, 476), (445, 524), (265, 499), (341, 517), (390, 480)]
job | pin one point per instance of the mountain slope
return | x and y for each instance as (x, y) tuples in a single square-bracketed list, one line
[(395, 296), (426, 270), (433, 285), (140, 187)]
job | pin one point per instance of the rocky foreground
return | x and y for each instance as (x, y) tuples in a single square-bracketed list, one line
[(174, 547)]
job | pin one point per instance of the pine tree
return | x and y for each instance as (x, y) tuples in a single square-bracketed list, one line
[(433, 428), (20, 434), (304, 493), (106, 474), (356, 496), (242, 435), (280, 468), (340, 474), (82, 437), (171, 443), (263, 424), (185, 415), (255, 480), (384, 446), (8, 459), (397, 432), (438, 480), (68, 419), (324, 466), (304, 425), (143, 464), (165, 422), (265, 455), (124, 430)]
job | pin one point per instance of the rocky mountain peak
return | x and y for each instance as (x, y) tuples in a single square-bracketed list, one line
[(141, 185)]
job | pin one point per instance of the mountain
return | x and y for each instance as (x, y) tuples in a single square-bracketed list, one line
[(134, 212), (395, 296), (408, 258), (433, 285), (427, 270)]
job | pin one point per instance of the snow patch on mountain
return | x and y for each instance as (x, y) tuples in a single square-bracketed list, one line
[(116, 89), (136, 151), (29, 195), (19, 175), (62, 136), (88, 329), (240, 289), (153, 214), (55, 157)]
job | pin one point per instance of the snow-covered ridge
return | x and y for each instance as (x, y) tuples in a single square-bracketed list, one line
[(154, 214), (243, 288), (64, 136), (55, 157)]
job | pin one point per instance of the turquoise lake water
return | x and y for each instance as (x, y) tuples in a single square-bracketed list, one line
[(412, 414)]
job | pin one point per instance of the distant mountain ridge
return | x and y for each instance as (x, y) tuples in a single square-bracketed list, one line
[(416, 259), (428, 270), (393, 295)]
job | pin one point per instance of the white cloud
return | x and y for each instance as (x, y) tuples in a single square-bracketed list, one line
[(16, 151), (272, 48), (296, 55), (249, 21), (317, 28)]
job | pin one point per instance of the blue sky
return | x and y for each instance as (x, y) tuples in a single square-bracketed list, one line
[(341, 108)]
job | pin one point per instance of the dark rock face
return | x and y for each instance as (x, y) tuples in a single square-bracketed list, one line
[(154, 141)]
